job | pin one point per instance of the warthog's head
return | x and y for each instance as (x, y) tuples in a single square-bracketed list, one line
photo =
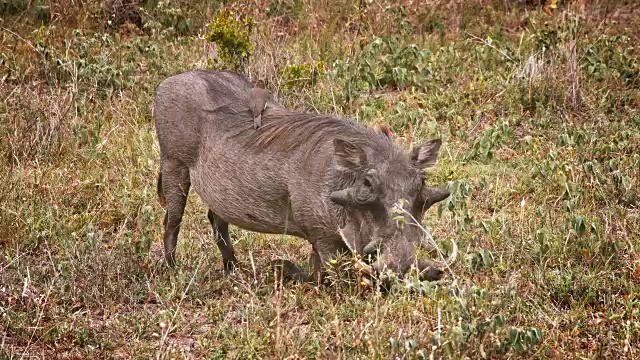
[(384, 200)]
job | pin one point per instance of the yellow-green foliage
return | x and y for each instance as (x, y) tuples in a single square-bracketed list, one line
[(231, 32), (302, 75)]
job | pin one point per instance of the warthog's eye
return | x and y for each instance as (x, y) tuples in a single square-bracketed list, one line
[(363, 193), (366, 193), (370, 181)]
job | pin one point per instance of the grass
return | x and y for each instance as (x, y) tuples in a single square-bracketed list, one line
[(538, 110)]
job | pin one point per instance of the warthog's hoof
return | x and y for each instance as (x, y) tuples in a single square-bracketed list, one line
[(230, 266)]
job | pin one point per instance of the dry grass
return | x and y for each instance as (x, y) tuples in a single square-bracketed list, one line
[(538, 109)]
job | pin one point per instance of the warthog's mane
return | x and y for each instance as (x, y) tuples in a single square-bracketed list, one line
[(286, 130)]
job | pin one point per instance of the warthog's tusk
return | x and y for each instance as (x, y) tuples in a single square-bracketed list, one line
[(425, 244), (371, 247), (429, 265), (454, 254)]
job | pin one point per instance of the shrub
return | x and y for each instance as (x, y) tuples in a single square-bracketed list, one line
[(611, 57), (231, 32), (386, 62), (120, 12), (302, 75), (13, 7), (173, 19)]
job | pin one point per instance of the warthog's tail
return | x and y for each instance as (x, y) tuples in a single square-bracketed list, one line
[(163, 200)]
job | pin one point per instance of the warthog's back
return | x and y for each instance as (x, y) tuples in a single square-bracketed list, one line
[(271, 180), (184, 102), (203, 121)]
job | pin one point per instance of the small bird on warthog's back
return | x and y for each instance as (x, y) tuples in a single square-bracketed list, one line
[(385, 129), (257, 102)]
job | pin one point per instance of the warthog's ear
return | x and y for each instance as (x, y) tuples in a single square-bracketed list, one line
[(349, 156), (426, 155)]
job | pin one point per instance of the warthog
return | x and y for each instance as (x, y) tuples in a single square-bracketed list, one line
[(333, 182)]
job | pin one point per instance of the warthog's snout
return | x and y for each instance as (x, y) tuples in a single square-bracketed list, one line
[(428, 270)]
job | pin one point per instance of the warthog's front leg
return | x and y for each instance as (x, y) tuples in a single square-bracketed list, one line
[(221, 232), (315, 264), (322, 254)]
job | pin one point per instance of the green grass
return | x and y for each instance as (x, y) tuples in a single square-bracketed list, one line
[(543, 165)]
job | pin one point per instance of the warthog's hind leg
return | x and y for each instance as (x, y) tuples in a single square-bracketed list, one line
[(175, 188), (221, 232)]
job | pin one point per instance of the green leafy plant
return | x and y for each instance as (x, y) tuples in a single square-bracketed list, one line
[(302, 75), (477, 260), (611, 57), (399, 18), (173, 19), (386, 62), (458, 203), (484, 147), (86, 61), (231, 32), (546, 39)]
